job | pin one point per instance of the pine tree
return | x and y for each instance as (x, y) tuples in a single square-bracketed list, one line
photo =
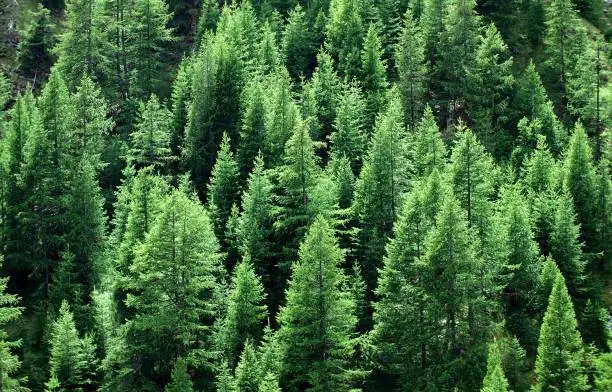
[(389, 18), (9, 362), (490, 84), (181, 380), (431, 21), (174, 282), (181, 95), (297, 44), (349, 135), (428, 149), (297, 178), (411, 69), (318, 319), (245, 312), (225, 381), (495, 380), (373, 75), (380, 186), (268, 55), (579, 181), (151, 139), (37, 41), (149, 46), (565, 246), (253, 126), (92, 124), (255, 230), (471, 173), (594, 325), (560, 353), (223, 188), (269, 383), (68, 355), (248, 375), (80, 49), (344, 36), (326, 88), (270, 353), (456, 50)]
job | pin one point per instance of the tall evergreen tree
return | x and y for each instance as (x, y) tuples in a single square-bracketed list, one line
[(373, 75), (428, 149), (223, 188), (253, 125), (248, 374), (411, 69), (490, 84), (560, 353), (318, 318), (37, 41), (181, 380), (344, 36), (181, 95), (380, 186), (495, 380), (151, 139), (297, 43), (245, 312), (326, 88)]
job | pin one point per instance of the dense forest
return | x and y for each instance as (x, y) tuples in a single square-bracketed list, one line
[(293, 195)]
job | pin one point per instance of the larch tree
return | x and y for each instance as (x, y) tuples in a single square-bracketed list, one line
[(490, 85), (326, 89), (344, 36), (318, 319), (248, 373), (373, 75), (80, 49), (411, 69), (252, 135), (150, 140), (349, 136), (560, 348), (181, 380), (223, 188), (175, 283), (427, 147), (495, 380), (269, 383), (297, 43), (37, 41), (380, 186), (179, 103), (245, 313)]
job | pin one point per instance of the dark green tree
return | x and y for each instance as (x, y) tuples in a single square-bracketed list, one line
[(297, 44), (495, 380), (349, 136), (252, 125), (373, 75), (560, 352), (248, 374), (318, 319), (181, 380), (37, 41), (150, 140), (326, 89), (427, 147), (344, 36)]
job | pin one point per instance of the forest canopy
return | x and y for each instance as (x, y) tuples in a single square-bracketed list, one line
[(324, 195)]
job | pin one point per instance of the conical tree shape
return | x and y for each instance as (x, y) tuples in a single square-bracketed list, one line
[(317, 320), (151, 139), (428, 149), (181, 380), (269, 383), (345, 30), (326, 86), (495, 380), (411, 69), (245, 312), (248, 373), (225, 381), (560, 353), (253, 126), (373, 75), (224, 188)]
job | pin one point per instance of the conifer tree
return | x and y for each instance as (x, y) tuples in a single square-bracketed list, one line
[(68, 354), (389, 18), (268, 55), (490, 86), (248, 374), (565, 246), (431, 21), (428, 149), (225, 381), (223, 188), (253, 125), (411, 69), (317, 320), (594, 325), (579, 181), (349, 136), (181, 380), (456, 49), (373, 75), (326, 88), (92, 124), (9, 362), (245, 312), (151, 138), (80, 50), (560, 353), (174, 282), (37, 41), (269, 383), (181, 95), (254, 233), (495, 380), (471, 173), (151, 37), (344, 36), (297, 43), (380, 186)]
